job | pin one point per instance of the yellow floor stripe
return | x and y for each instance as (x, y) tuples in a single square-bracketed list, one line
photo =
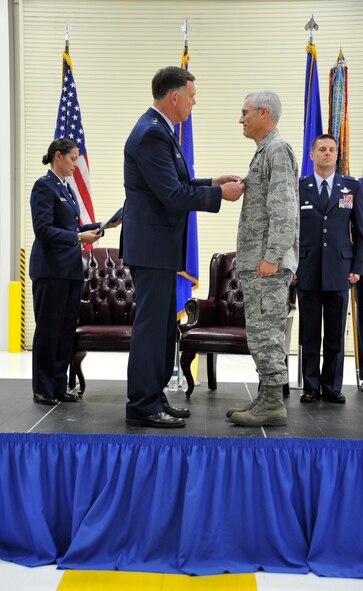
[(194, 367), (78, 580)]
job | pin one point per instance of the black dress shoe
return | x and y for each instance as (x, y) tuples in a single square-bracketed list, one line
[(330, 396), (158, 419), (67, 397), (45, 399), (179, 413), (310, 396)]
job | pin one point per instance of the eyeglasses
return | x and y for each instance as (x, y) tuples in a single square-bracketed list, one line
[(245, 111)]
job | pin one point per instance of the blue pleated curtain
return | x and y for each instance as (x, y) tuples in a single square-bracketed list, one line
[(182, 504)]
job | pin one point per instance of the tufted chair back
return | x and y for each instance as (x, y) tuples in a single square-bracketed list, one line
[(108, 296), (225, 287), (217, 324), (107, 309)]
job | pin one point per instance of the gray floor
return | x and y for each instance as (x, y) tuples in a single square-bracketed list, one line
[(102, 410)]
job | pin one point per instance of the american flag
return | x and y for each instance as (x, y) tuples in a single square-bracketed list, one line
[(69, 125)]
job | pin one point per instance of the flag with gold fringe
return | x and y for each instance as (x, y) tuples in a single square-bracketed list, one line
[(69, 125), (338, 112), (312, 110), (187, 280)]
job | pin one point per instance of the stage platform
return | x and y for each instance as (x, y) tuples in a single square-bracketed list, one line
[(102, 410), (81, 489)]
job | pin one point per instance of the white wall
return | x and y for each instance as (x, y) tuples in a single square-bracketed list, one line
[(117, 45)]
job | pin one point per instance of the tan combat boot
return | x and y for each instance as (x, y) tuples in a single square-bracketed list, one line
[(269, 410), (247, 406)]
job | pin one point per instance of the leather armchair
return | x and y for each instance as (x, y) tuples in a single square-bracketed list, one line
[(217, 324), (107, 308)]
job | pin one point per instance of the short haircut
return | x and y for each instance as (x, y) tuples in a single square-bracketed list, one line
[(62, 145), (322, 136), (170, 78), (266, 98)]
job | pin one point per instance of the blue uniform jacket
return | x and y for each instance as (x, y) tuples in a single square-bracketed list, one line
[(327, 254), (159, 195), (56, 222)]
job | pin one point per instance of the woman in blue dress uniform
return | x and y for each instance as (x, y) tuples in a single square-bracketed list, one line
[(56, 272)]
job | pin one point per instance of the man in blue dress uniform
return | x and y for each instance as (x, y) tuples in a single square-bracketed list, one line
[(329, 265), (159, 195)]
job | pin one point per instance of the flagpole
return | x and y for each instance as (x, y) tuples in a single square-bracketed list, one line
[(66, 55), (185, 58), (355, 335), (187, 280), (186, 31), (66, 36), (311, 26)]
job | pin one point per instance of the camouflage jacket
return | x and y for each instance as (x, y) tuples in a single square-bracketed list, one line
[(269, 221)]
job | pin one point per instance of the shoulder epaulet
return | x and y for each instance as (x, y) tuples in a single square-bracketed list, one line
[(350, 178)]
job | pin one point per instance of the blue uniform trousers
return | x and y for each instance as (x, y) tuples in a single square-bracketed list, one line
[(56, 306), (152, 349), (331, 306)]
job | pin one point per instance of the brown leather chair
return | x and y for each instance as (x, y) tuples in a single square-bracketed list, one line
[(107, 308), (217, 324)]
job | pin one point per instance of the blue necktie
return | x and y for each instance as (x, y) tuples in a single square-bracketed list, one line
[(324, 194)]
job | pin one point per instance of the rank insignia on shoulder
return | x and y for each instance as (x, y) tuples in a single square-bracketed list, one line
[(155, 121)]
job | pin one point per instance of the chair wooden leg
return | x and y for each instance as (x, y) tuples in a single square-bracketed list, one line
[(286, 390), (212, 370), (185, 362), (78, 357), (72, 376), (286, 387)]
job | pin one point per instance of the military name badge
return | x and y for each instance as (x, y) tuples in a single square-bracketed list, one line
[(346, 201)]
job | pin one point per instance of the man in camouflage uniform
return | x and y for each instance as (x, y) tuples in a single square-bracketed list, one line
[(267, 255)]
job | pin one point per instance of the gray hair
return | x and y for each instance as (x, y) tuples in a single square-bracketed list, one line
[(269, 99)]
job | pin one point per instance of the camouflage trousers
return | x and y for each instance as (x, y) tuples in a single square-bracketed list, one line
[(266, 309)]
